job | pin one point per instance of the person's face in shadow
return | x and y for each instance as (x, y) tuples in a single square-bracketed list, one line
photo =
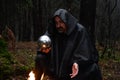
[(60, 25)]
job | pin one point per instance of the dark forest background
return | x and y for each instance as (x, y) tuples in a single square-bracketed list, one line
[(29, 19)]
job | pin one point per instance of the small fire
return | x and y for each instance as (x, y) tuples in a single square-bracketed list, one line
[(42, 76), (31, 76)]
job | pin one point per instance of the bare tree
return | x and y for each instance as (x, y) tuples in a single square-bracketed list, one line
[(106, 24), (109, 47)]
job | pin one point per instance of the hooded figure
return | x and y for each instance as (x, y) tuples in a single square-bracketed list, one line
[(71, 45)]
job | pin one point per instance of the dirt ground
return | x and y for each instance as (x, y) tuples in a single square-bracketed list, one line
[(109, 67)]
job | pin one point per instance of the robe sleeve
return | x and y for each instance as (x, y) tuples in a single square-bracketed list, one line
[(83, 53)]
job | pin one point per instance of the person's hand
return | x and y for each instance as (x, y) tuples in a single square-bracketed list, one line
[(45, 50), (75, 69)]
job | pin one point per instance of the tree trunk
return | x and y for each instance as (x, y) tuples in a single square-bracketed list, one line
[(31, 28), (87, 16), (37, 18)]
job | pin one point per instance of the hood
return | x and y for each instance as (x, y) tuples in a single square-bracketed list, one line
[(68, 19)]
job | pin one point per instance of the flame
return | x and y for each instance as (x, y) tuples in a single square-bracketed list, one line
[(31, 76), (42, 76)]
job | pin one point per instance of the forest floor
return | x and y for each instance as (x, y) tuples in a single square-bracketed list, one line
[(26, 51)]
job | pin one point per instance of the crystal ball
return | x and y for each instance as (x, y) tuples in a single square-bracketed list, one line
[(44, 41)]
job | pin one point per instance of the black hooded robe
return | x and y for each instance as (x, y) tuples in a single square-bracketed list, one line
[(70, 47)]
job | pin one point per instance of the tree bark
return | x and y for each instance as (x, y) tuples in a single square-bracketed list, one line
[(87, 16), (37, 18)]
